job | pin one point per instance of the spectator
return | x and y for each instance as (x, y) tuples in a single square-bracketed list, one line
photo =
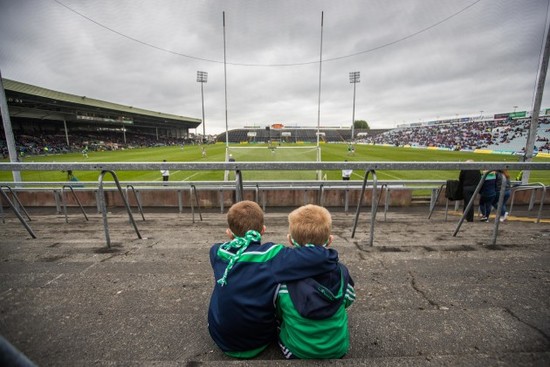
[(165, 173), (241, 315), (312, 311), (346, 173), (488, 193), (468, 180)]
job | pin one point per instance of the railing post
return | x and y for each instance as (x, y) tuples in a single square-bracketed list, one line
[(10, 203), (471, 203), (373, 206), (104, 206), (65, 205), (433, 205)]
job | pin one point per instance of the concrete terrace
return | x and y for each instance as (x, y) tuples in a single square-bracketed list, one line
[(424, 297)]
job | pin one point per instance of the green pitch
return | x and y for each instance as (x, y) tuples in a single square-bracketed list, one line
[(286, 153), (216, 153)]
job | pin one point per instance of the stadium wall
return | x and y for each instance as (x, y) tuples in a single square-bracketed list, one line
[(216, 198)]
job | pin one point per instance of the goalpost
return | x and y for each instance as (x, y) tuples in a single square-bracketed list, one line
[(275, 153)]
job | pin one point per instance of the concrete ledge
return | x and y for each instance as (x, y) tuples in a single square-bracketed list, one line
[(424, 297)]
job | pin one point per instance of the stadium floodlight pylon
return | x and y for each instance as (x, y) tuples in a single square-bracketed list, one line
[(353, 79), (202, 77)]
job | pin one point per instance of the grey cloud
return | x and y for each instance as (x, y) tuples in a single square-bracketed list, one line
[(485, 58)]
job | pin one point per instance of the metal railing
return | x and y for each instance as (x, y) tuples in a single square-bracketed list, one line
[(136, 197), (239, 186), (276, 166), (499, 206), (15, 209), (531, 187), (75, 198), (104, 205)]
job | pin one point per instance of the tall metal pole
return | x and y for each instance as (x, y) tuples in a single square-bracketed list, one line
[(66, 132), (319, 172), (10, 140), (543, 68), (320, 73), (353, 78), (202, 77), (353, 114), (203, 122), (225, 87)]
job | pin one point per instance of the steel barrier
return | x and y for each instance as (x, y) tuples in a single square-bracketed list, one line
[(534, 187), (104, 206), (65, 205), (15, 209), (239, 186)]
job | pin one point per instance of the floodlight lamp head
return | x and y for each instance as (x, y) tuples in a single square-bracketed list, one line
[(354, 77), (202, 76)]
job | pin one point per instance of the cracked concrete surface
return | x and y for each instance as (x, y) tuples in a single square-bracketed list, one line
[(424, 297)]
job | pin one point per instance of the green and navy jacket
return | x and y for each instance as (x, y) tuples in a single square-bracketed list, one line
[(312, 312), (241, 315)]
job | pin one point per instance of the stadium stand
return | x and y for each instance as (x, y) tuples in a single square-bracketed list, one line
[(45, 120), (500, 135), (100, 125)]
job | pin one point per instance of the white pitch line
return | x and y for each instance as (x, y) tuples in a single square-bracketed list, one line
[(187, 178), (363, 177)]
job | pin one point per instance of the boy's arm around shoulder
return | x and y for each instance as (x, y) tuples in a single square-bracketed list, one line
[(214, 253), (349, 297), (303, 262)]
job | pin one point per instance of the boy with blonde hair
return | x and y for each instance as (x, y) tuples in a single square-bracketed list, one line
[(312, 311), (241, 315)]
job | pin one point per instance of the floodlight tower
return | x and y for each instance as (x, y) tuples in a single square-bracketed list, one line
[(353, 79), (202, 77)]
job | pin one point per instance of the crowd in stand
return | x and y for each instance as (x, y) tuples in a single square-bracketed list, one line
[(546, 140), (56, 144), (461, 135), (453, 136)]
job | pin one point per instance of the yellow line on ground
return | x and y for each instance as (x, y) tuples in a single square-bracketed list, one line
[(509, 218)]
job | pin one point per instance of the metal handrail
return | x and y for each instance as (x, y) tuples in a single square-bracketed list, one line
[(19, 216), (65, 205), (434, 203), (103, 205), (193, 190), (239, 194), (386, 199), (374, 206), (241, 166), (252, 166), (140, 208), (499, 206), (16, 199), (532, 186)]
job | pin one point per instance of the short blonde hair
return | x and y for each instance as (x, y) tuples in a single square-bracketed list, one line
[(310, 224), (245, 216)]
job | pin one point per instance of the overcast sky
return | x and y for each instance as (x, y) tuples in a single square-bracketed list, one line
[(419, 60)]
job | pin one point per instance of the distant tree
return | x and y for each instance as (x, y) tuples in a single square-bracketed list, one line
[(361, 124)]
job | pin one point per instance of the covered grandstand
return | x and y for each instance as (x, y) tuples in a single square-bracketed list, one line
[(72, 121)]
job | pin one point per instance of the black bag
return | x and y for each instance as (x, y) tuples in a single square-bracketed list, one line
[(454, 190)]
